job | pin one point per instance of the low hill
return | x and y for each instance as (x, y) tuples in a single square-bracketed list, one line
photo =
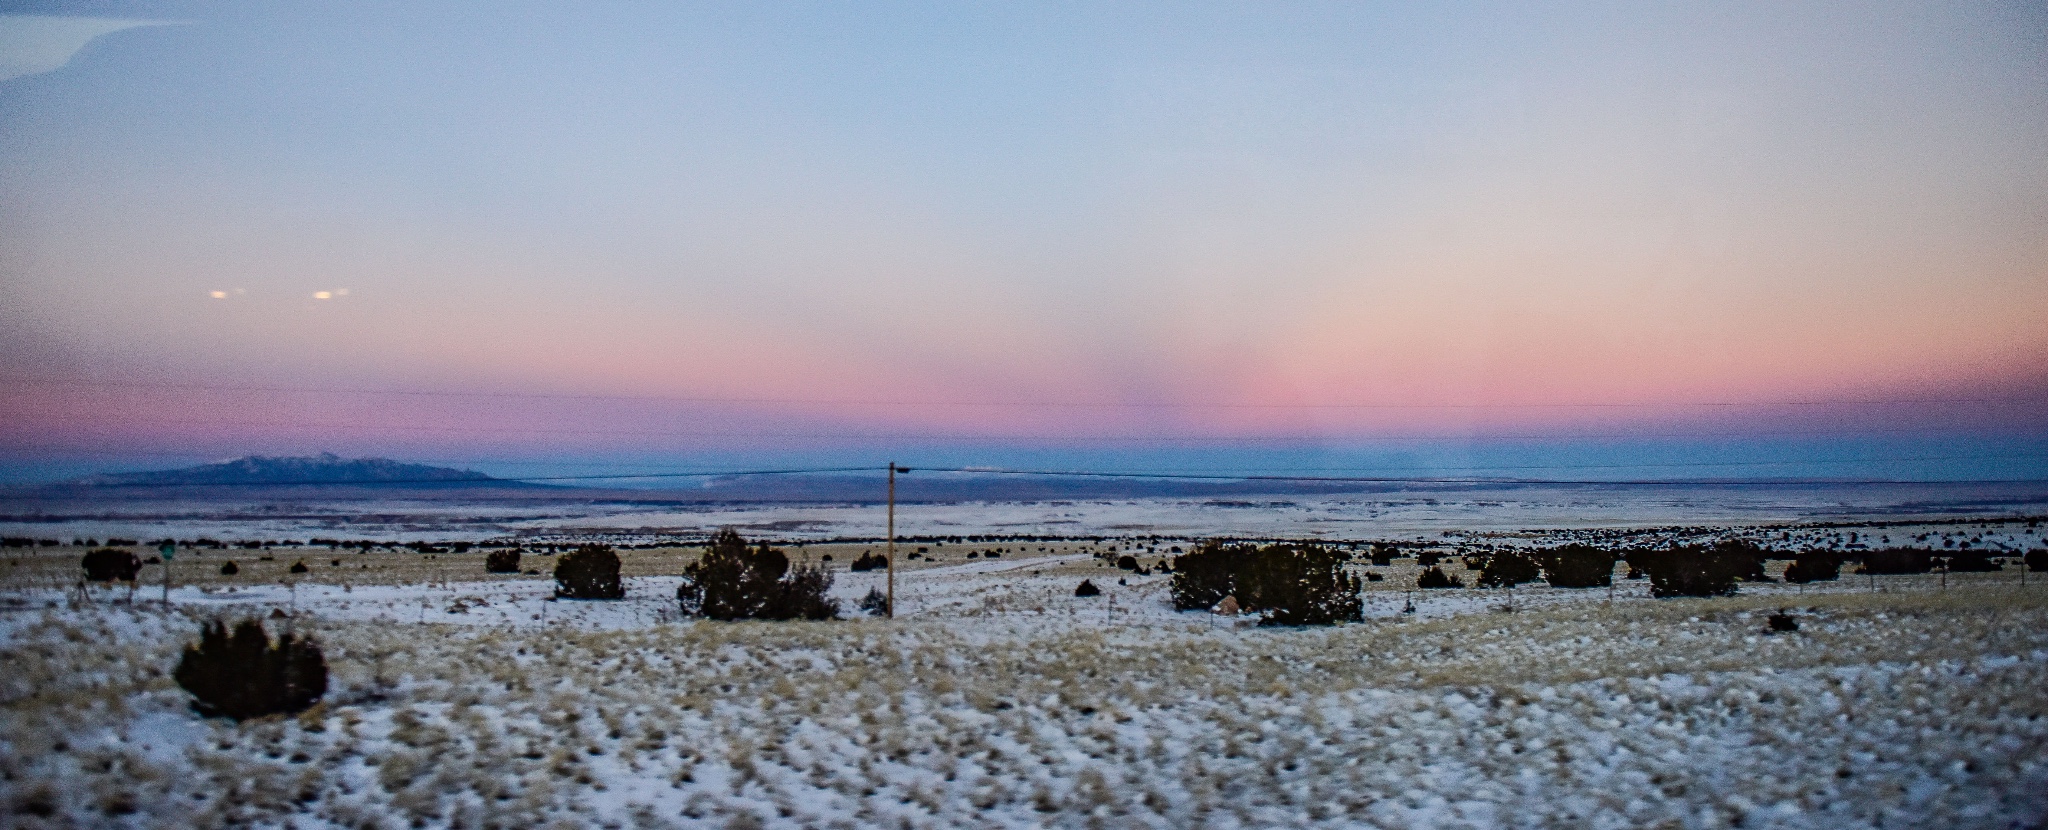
[(326, 468)]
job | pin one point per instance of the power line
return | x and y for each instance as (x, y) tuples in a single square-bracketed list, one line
[(1019, 404)]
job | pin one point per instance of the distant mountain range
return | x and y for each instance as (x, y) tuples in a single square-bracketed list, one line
[(325, 468)]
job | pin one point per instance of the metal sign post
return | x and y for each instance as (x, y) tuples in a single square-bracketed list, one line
[(167, 550)]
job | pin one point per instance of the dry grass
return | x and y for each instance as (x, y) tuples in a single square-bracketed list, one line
[(1584, 714)]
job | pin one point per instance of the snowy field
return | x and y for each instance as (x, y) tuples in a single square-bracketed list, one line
[(1395, 513), (999, 699)]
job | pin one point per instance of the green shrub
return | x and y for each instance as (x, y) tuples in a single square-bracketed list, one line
[(1204, 576), (1814, 566), (1508, 569), (1434, 577), (589, 572), (1897, 561), (110, 564), (735, 582), (876, 603), (1694, 571), (502, 561), (1578, 566), (244, 674), (1972, 561), (1298, 585)]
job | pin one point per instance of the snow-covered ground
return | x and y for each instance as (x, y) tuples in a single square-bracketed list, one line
[(1000, 699), (1405, 514)]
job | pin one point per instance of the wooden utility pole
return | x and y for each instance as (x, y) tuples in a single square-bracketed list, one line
[(892, 540)]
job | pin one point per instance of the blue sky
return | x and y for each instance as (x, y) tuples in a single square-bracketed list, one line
[(1101, 224)]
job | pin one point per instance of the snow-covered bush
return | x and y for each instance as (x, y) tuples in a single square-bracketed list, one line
[(1508, 569), (735, 582), (589, 572), (110, 564), (876, 603), (1434, 577), (243, 674), (1578, 566), (1897, 561), (502, 561), (1813, 566)]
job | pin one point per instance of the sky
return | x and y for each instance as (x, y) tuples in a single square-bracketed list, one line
[(1577, 240)]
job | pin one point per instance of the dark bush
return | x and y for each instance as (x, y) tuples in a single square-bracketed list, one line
[(876, 603), (1814, 566), (1578, 566), (1087, 589), (1434, 577), (299, 567), (244, 674), (1298, 585), (109, 564), (502, 561), (229, 568), (1383, 556), (1897, 561), (589, 572), (735, 582), (1506, 570), (2037, 560), (1127, 562), (1746, 558), (870, 562), (1428, 558), (1204, 576), (1694, 571), (1782, 621), (1375, 576), (1972, 562)]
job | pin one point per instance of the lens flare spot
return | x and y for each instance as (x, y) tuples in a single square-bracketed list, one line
[(323, 295), (218, 295)]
